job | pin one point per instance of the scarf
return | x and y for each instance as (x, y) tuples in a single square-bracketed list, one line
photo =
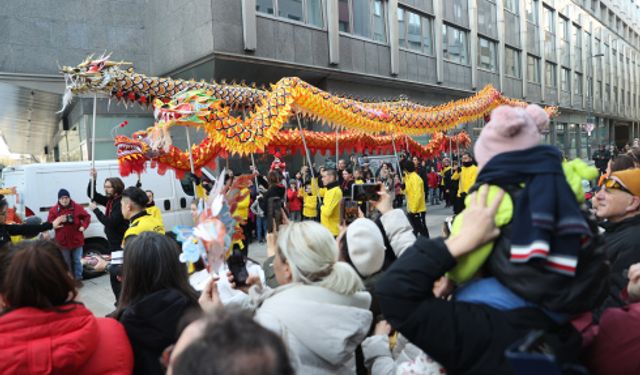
[(547, 221), (109, 206)]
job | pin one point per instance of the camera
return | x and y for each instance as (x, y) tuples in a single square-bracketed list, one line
[(365, 192), (237, 263), (70, 219)]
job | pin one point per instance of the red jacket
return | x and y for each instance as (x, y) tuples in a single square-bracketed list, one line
[(432, 180), (295, 204), (69, 341), (617, 343), (69, 237)]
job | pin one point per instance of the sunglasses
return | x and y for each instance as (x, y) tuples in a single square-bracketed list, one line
[(611, 183)]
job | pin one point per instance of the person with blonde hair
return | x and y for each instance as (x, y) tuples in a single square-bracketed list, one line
[(320, 308)]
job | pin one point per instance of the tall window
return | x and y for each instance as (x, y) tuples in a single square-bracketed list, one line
[(415, 32), (511, 6), (454, 44), (576, 39), (307, 11), (532, 11), (487, 58), (550, 78), (363, 17), (487, 17), (577, 84), (549, 32), (563, 28), (533, 69), (512, 62), (565, 75)]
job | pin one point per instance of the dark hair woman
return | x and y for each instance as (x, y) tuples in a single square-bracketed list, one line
[(41, 319), (155, 295), (8, 230)]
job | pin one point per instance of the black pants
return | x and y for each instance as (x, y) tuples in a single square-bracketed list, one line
[(458, 203), (115, 271), (418, 224)]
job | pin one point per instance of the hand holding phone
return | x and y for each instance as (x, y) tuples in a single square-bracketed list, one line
[(349, 211)]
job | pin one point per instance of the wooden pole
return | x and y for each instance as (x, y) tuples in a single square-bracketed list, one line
[(93, 143)]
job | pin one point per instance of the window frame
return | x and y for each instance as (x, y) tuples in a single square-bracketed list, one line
[(372, 18), (305, 13), (462, 31), (494, 57), (423, 30), (517, 59), (536, 65)]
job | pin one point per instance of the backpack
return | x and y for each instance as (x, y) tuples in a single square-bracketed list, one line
[(551, 290)]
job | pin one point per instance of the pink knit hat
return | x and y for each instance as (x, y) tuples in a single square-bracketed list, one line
[(510, 129)]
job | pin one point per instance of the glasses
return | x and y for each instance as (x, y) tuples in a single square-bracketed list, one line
[(611, 183)]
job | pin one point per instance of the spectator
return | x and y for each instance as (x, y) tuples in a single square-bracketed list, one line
[(114, 224), (43, 329), (293, 200), (342, 166), (416, 202), (8, 230), (152, 209), (155, 295), (601, 158), (433, 182), (261, 220), (445, 183), (229, 342), (618, 201), (70, 236), (347, 183), (464, 337), (330, 210), (315, 288), (276, 190), (614, 349)]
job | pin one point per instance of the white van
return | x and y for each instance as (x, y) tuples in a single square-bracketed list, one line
[(37, 188)]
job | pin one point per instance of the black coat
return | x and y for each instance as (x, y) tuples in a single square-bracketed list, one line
[(152, 325), (274, 191), (115, 224), (622, 243), (465, 338), (8, 230)]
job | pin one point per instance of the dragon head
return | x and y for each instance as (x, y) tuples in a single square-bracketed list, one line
[(188, 108), (91, 75), (134, 152)]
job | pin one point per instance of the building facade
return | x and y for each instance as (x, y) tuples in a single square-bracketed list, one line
[(583, 56)]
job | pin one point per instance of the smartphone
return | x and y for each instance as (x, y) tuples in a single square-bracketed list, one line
[(274, 213), (349, 211), (237, 263), (365, 192)]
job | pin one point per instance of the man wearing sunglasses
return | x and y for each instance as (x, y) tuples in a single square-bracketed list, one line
[(618, 202)]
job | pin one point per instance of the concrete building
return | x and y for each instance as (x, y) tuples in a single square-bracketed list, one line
[(583, 56)]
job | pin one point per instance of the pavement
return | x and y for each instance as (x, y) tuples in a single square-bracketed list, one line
[(96, 293)]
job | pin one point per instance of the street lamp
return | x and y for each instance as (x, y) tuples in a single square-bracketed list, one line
[(590, 125)]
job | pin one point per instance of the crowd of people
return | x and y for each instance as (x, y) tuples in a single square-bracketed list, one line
[(537, 272)]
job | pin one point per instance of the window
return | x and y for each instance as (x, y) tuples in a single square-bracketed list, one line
[(415, 31), (363, 17), (307, 11), (511, 6), (533, 69), (565, 75), (550, 78), (607, 93), (454, 44), (487, 54), (549, 33), (532, 11), (512, 62), (589, 92), (577, 43), (563, 26), (487, 17)]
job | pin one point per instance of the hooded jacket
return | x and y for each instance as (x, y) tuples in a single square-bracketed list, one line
[(69, 236), (151, 324), (68, 341), (415, 193), (320, 327)]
